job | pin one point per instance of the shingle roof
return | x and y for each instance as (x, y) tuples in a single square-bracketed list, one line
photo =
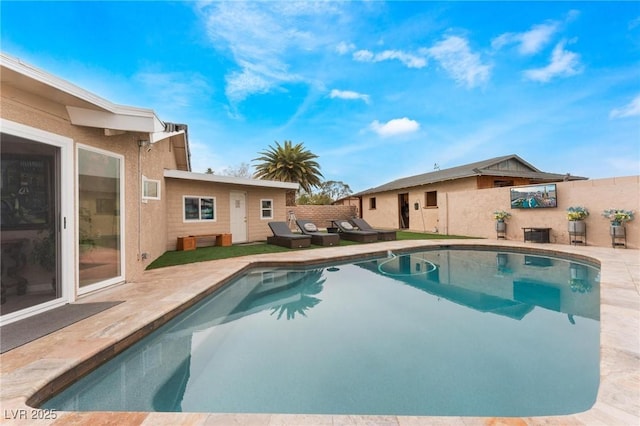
[(507, 166)]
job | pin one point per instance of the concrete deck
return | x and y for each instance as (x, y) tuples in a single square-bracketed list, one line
[(34, 371)]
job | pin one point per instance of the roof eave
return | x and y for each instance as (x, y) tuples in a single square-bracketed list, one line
[(232, 180)]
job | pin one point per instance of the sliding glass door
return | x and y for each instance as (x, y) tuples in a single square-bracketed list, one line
[(30, 230), (100, 202)]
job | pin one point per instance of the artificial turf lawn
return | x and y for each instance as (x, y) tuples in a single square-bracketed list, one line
[(172, 258)]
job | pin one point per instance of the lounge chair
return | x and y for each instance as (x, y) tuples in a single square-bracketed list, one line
[(383, 235), (348, 232), (282, 236), (318, 238)]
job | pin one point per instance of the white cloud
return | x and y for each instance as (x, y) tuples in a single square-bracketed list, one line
[(349, 95), (563, 63), (408, 59), (632, 109), (457, 59), (397, 126), (240, 84), (529, 42), (363, 56), (343, 47), (261, 37)]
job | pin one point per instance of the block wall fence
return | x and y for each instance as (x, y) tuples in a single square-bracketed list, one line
[(470, 212), (322, 215)]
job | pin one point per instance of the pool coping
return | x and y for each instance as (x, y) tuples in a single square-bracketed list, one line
[(30, 373)]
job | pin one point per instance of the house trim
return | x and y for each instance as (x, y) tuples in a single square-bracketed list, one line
[(206, 177), (122, 228)]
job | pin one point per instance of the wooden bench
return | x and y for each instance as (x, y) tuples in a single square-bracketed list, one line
[(191, 242), (222, 240)]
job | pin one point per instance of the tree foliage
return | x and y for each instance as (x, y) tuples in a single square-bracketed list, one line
[(289, 163), (328, 192), (242, 171)]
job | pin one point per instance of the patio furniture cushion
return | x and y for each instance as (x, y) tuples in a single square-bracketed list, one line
[(317, 238), (348, 232), (383, 235), (346, 225), (282, 236)]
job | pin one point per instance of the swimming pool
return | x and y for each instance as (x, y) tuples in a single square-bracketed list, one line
[(441, 332)]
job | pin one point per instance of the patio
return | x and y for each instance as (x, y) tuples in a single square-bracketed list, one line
[(33, 371)]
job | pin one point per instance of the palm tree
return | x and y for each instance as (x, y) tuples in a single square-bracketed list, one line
[(289, 163)]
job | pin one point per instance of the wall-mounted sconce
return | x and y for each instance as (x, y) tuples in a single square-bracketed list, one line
[(144, 144)]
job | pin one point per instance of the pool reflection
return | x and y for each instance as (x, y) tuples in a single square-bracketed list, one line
[(213, 358), (513, 288)]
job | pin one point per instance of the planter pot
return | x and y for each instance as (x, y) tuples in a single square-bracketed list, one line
[(501, 226), (577, 227), (616, 231), (224, 240)]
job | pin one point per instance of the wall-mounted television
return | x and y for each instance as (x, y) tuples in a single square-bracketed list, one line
[(534, 196)]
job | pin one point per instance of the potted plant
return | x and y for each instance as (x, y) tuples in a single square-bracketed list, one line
[(500, 216), (576, 216), (618, 217)]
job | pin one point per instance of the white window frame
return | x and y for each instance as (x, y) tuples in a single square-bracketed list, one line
[(200, 198), (263, 209), (67, 215), (146, 180), (123, 214)]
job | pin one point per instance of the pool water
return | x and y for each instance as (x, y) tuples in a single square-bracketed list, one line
[(439, 332)]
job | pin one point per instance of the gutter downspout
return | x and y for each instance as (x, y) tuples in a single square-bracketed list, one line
[(141, 144)]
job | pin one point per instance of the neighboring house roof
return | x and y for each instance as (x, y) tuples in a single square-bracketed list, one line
[(347, 198), (89, 110), (208, 177), (505, 166)]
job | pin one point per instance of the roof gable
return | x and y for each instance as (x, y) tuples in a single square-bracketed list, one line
[(511, 163)]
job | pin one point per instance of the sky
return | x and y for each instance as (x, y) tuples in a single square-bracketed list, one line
[(378, 90)]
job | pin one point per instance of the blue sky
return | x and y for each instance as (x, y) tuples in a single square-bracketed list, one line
[(378, 90)]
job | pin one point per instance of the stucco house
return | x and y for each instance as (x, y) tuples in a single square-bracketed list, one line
[(93, 191), (413, 202)]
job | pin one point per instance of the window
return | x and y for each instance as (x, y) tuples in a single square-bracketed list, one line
[(100, 224), (266, 209), (199, 208), (150, 189), (431, 199), (372, 203)]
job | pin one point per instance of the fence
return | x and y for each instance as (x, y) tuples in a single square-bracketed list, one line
[(321, 215)]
